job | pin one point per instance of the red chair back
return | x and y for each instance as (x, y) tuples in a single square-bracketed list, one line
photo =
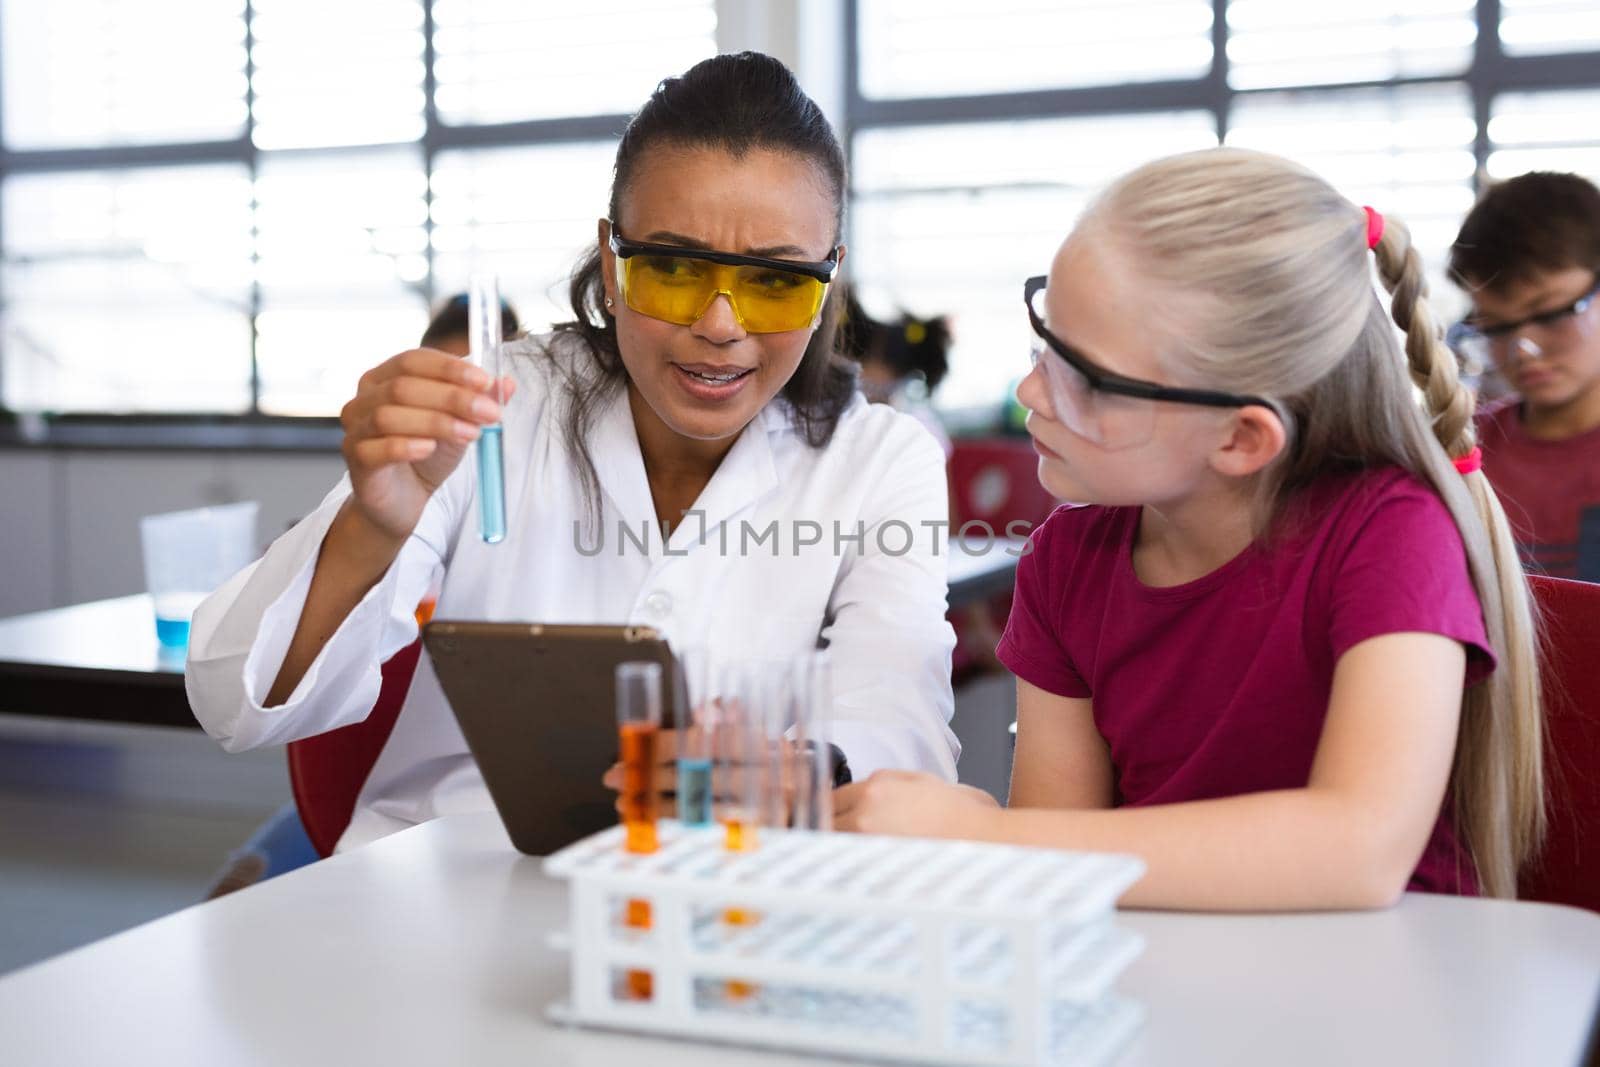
[(996, 480), (326, 772), (993, 480), (1568, 871)]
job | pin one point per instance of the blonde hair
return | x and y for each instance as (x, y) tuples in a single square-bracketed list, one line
[(1258, 272)]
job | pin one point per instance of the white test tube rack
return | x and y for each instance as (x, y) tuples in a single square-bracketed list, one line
[(900, 949)]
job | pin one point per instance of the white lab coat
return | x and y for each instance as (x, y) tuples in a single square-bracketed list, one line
[(719, 583)]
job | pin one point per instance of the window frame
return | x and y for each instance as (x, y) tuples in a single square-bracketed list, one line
[(253, 429), (1489, 73)]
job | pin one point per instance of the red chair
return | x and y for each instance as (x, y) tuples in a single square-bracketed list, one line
[(1568, 870), (996, 480), (993, 480), (326, 772)]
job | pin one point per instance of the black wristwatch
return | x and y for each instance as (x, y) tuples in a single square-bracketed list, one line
[(839, 765)]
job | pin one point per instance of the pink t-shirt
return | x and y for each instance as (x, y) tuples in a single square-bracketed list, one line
[(1220, 686), (1550, 491)]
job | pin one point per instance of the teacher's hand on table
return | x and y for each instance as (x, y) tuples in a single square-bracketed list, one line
[(913, 804)]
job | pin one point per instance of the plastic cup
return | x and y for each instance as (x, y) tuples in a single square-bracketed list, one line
[(187, 555)]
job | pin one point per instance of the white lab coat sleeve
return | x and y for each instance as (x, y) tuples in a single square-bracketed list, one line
[(887, 636), (241, 633)]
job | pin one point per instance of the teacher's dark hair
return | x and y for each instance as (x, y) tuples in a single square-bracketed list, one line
[(735, 104)]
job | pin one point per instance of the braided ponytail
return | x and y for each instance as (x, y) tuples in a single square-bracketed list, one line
[(1432, 366), (1500, 750)]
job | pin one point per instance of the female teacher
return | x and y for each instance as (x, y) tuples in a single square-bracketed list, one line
[(697, 391)]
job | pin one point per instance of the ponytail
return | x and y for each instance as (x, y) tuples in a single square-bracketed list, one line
[(1498, 777)]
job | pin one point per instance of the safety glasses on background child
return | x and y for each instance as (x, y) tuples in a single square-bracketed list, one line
[(1482, 348), (1108, 409), (677, 285)]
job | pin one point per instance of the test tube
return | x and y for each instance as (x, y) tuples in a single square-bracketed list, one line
[(740, 757), (483, 339), (695, 741), (813, 770), (639, 730), (639, 733), (743, 770), (779, 692)]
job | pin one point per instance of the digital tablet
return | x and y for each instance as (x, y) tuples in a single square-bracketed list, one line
[(536, 704)]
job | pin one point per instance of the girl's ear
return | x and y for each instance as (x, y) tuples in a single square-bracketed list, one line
[(1257, 437)]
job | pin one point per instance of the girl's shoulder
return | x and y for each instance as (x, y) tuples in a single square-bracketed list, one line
[(1389, 558), (1372, 511), (1068, 521), (1077, 533), (1356, 494), (1387, 488)]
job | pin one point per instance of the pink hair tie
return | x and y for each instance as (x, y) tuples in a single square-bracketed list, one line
[(1472, 461), (1374, 228)]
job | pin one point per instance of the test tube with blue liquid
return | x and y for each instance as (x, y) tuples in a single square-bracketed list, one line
[(483, 338), (695, 742)]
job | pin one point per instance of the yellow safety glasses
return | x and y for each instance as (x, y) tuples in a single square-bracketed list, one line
[(677, 285)]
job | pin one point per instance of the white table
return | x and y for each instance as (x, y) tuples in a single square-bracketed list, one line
[(428, 948), (981, 567)]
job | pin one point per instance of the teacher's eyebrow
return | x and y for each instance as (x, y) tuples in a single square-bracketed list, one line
[(667, 237)]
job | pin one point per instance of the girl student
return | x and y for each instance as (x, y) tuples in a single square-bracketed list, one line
[(698, 376), (1284, 652)]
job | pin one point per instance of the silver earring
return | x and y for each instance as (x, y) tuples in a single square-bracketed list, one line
[(609, 302)]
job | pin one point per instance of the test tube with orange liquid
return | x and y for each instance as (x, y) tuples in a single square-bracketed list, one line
[(639, 734)]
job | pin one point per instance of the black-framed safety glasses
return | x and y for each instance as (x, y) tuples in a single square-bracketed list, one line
[(1481, 346), (1108, 408)]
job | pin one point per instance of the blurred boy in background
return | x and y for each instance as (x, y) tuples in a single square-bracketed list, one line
[(1528, 256)]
